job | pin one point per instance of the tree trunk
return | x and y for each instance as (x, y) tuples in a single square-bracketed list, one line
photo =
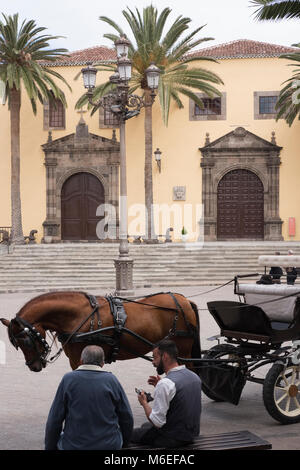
[(17, 236), (150, 234)]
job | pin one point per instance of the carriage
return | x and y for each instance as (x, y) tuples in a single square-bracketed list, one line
[(260, 330)]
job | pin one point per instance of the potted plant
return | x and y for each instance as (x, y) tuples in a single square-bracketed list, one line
[(184, 234)]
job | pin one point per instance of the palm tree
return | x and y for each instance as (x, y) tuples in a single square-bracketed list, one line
[(288, 104), (170, 52), (277, 9), (22, 50)]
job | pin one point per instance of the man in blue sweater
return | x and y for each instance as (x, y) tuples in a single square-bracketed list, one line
[(93, 407), (174, 418)]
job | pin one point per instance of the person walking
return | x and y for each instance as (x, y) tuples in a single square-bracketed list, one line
[(90, 410), (174, 418)]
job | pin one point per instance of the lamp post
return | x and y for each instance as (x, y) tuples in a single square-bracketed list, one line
[(125, 106), (157, 155)]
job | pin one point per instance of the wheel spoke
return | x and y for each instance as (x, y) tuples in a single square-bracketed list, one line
[(296, 402), (283, 396), (284, 379), (287, 407), (281, 388), (293, 378)]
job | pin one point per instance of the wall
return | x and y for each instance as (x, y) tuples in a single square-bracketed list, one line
[(179, 143)]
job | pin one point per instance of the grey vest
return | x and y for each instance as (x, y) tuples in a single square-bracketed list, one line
[(183, 416)]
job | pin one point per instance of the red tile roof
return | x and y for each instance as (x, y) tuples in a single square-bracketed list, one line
[(243, 48), (239, 49), (92, 54)]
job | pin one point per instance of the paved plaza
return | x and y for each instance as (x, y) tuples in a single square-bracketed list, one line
[(26, 396)]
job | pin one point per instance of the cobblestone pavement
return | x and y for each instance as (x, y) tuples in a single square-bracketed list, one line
[(25, 396)]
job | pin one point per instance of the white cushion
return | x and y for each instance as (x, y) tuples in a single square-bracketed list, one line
[(281, 310), (280, 260)]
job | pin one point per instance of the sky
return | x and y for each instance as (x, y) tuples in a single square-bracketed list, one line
[(78, 22)]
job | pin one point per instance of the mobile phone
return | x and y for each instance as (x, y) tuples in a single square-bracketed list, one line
[(138, 391)]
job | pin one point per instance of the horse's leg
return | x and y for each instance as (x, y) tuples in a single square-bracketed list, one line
[(73, 352)]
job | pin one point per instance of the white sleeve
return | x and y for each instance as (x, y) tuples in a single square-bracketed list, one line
[(164, 392)]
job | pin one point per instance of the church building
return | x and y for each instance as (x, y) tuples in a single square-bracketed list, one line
[(232, 158)]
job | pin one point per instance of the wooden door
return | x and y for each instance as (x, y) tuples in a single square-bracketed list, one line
[(81, 195), (240, 206)]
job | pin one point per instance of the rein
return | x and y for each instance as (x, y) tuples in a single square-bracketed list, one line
[(32, 337), (35, 338)]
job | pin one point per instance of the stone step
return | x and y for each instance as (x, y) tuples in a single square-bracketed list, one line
[(90, 267)]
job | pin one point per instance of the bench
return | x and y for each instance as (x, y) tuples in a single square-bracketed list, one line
[(239, 440)]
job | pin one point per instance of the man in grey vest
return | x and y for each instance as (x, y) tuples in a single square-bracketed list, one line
[(174, 418)]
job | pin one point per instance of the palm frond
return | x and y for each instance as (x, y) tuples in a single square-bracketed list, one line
[(170, 52), (276, 9), (23, 48)]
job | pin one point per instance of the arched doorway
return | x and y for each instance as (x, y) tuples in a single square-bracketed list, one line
[(240, 205), (81, 195)]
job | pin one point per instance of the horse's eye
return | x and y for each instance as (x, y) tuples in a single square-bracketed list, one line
[(25, 342)]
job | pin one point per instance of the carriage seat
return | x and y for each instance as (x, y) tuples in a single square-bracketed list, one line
[(242, 321), (281, 312)]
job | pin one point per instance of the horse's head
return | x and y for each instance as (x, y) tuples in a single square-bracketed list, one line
[(30, 339)]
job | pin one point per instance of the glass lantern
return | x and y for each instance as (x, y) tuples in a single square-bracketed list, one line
[(89, 76), (153, 73), (124, 69), (122, 46)]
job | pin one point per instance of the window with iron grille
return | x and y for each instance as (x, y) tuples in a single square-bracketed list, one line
[(267, 104), (107, 119), (211, 106), (110, 119), (214, 109), (56, 114)]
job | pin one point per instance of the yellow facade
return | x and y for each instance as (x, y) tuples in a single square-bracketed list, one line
[(179, 143)]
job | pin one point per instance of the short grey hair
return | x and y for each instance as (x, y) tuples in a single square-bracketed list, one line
[(93, 355)]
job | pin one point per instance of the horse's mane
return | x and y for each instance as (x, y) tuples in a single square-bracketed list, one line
[(46, 296)]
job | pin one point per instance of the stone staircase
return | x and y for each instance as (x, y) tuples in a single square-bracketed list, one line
[(90, 267)]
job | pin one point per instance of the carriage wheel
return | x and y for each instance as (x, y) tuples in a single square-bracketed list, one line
[(281, 393), (224, 351)]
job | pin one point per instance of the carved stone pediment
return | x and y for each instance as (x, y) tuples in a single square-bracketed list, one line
[(240, 140)]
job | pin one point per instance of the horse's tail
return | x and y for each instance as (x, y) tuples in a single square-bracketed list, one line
[(196, 348)]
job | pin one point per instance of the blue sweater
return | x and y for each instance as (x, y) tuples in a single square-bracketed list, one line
[(95, 411)]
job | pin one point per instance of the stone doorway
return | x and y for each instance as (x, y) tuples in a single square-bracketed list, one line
[(82, 172), (240, 212), (81, 195), (241, 154)]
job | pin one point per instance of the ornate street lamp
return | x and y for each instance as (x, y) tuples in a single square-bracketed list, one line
[(157, 155), (124, 105)]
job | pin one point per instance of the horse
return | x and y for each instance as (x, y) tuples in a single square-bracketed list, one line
[(70, 317)]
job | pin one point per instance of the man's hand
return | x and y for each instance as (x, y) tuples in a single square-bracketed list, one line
[(143, 401), (153, 380), (142, 398)]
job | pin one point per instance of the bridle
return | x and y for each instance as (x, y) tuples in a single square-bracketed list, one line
[(32, 339)]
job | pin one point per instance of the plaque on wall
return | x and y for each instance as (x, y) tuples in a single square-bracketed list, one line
[(179, 193)]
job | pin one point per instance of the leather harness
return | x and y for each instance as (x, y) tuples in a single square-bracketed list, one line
[(99, 336)]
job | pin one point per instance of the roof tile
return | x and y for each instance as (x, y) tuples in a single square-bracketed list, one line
[(239, 49), (81, 57), (243, 48)]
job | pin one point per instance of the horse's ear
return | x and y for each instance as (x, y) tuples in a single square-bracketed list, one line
[(5, 322)]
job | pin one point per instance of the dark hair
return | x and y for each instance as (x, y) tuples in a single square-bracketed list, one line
[(168, 346)]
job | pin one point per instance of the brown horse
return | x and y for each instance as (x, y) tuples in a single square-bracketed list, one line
[(152, 318)]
